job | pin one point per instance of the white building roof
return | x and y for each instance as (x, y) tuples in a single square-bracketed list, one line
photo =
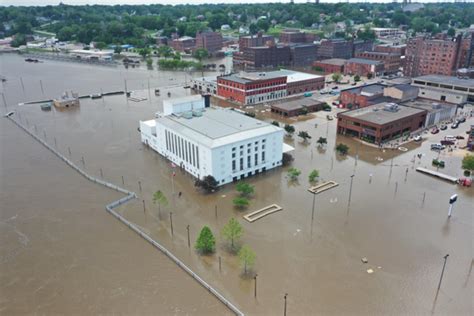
[(217, 127)]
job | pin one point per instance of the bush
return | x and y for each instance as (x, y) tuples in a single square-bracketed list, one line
[(313, 175), (286, 159), (245, 189), (289, 129), (276, 123), (293, 173), (208, 184), (240, 202), (326, 106), (206, 242)]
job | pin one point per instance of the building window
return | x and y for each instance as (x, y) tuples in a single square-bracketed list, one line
[(233, 165), (263, 156), (241, 164), (256, 159), (233, 155)]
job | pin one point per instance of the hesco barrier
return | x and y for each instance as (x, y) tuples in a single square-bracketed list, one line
[(131, 195)]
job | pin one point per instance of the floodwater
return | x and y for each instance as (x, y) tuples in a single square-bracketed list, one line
[(316, 261)]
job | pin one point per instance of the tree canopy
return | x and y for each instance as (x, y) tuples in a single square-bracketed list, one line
[(206, 242)]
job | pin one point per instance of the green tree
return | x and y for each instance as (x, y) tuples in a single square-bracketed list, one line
[(206, 242), (451, 31), (304, 135), (247, 258), (276, 123), (144, 52), (336, 77), (343, 149), (200, 54), (165, 51), (245, 189), (356, 78), (468, 162), (289, 129), (232, 231), (322, 141), (117, 49), (160, 199), (253, 29), (100, 45), (149, 62), (240, 202), (263, 24), (293, 173), (286, 159), (313, 175)]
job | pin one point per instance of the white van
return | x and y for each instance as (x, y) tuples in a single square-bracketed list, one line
[(450, 138)]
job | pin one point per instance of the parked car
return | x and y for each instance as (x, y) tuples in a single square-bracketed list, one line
[(329, 117), (417, 138), (455, 125), (443, 127), (335, 87), (446, 142), (459, 137), (335, 103), (437, 147), (434, 130), (462, 119)]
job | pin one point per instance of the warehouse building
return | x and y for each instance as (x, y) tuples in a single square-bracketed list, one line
[(445, 88)]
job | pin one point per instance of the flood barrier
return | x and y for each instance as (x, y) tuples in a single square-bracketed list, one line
[(437, 174), (129, 196)]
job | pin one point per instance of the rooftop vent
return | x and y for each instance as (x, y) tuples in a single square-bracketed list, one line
[(436, 106), (391, 107)]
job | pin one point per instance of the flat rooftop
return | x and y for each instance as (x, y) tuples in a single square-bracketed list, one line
[(334, 61), (295, 104), (377, 113), (446, 80), (364, 61), (291, 76), (429, 105), (217, 126)]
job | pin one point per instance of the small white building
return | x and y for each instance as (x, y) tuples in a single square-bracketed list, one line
[(213, 141), (93, 54), (205, 84)]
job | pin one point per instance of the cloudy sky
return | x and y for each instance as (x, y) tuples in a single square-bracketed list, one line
[(79, 2)]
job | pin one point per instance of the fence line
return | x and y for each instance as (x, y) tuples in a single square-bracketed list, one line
[(129, 196)]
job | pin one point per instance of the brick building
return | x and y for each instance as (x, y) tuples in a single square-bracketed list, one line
[(290, 36), (183, 44), (302, 54), (258, 87), (265, 56), (431, 56), (335, 48), (363, 96), (380, 122), (252, 88), (297, 107), (211, 41), (255, 41), (399, 49), (329, 66), (363, 67), (392, 62), (362, 46)]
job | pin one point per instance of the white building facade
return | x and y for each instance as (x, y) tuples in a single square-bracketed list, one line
[(445, 88), (212, 141)]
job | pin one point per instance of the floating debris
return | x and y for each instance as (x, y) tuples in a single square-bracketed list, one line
[(370, 271), (364, 260)]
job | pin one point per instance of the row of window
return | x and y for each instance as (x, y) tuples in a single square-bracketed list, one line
[(249, 162), (181, 148)]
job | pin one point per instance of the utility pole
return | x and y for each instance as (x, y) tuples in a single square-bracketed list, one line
[(284, 311), (171, 223), (350, 189), (255, 290), (189, 240), (442, 271), (143, 206), (314, 200)]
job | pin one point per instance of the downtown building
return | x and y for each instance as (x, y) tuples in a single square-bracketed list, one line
[(210, 41), (392, 61), (260, 87), (204, 140)]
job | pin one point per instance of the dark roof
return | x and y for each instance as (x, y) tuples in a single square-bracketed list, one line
[(334, 61), (296, 104), (374, 88), (405, 87)]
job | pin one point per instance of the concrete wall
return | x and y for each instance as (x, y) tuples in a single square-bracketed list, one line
[(437, 94)]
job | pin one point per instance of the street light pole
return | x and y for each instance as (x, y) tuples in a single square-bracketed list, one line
[(189, 240), (442, 271), (314, 199), (255, 290), (284, 311)]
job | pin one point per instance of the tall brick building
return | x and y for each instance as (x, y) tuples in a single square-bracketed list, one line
[(335, 48), (392, 62), (255, 41), (290, 36), (432, 56), (211, 41)]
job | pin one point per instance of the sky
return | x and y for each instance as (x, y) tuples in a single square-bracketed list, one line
[(111, 2)]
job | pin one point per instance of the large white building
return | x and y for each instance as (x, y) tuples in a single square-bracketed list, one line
[(213, 141), (445, 88)]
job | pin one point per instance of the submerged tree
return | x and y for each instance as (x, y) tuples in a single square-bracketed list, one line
[(245, 189), (322, 141), (160, 199), (293, 173), (289, 129), (343, 149), (208, 184), (206, 242), (247, 258), (304, 135), (313, 176), (240, 202), (232, 231)]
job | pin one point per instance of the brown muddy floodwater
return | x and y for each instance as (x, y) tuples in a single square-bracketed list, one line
[(317, 262)]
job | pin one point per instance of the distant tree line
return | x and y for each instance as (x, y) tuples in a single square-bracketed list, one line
[(135, 24)]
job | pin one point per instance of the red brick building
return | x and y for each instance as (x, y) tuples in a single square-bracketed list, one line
[(290, 36), (380, 122), (329, 66), (363, 67), (258, 87), (211, 41), (183, 44), (363, 96), (251, 88), (399, 49), (392, 62), (431, 56), (255, 41)]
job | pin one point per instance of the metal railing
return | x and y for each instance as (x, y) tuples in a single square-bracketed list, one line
[(129, 196)]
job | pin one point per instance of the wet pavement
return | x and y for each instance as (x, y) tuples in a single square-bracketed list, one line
[(317, 262)]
